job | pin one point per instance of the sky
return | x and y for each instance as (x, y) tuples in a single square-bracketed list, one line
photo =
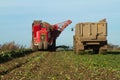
[(16, 17)]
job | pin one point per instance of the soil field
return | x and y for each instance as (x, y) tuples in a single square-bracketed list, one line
[(64, 65)]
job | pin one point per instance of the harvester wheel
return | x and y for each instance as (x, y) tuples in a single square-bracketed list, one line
[(40, 46), (34, 48), (53, 46), (45, 45)]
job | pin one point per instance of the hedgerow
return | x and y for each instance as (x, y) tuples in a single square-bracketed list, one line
[(12, 50)]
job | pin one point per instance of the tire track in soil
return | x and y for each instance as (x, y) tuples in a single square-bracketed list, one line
[(7, 67), (56, 67), (36, 69), (61, 66)]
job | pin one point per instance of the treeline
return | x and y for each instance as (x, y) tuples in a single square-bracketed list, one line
[(10, 46), (113, 47)]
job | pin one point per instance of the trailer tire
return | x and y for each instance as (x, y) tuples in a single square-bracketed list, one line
[(103, 51), (95, 50), (81, 52)]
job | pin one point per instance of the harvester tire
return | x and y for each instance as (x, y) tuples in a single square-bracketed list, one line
[(34, 48), (45, 45), (40, 46), (53, 46)]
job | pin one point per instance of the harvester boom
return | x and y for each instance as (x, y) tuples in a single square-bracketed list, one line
[(62, 25)]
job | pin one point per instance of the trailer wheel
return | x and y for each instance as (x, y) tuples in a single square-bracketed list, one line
[(74, 45), (95, 50), (103, 49), (103, 52), (81, 52)]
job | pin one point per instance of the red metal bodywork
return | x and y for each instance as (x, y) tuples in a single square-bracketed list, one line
[(37, 32), (41, 32)]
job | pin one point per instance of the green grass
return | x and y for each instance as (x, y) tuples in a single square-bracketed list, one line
[(84, 67), (108, 61), (98, 65)]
